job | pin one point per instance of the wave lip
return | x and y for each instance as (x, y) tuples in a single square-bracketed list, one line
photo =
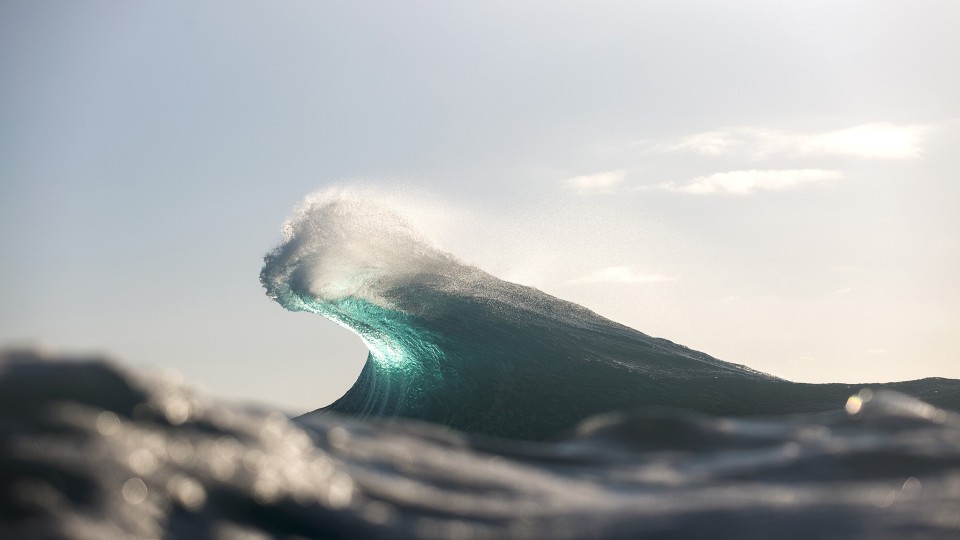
[(452, 344)]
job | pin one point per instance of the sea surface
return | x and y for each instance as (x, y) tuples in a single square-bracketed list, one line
[(486, 409)]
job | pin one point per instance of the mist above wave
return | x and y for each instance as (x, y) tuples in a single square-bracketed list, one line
[(337, 247)]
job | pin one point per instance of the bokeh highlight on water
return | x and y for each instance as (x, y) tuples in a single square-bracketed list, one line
[(90, 449)]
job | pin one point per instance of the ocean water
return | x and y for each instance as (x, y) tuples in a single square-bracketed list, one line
[(485, 410), (454, 345)]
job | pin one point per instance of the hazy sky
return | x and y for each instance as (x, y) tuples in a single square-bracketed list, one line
[(774, 185)]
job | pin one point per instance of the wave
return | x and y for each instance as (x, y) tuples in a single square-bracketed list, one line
[(89, 449), (451, 344)]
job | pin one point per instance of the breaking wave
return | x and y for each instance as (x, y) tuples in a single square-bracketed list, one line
[(454, 345)]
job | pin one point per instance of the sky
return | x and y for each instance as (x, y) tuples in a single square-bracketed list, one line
[(774, 184)]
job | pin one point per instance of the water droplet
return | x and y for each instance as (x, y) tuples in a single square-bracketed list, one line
[(108, 423), (187, 491), (135, 491), (853, 406), (338, 437), (180, 450), (911, 486), (177, 410), (340, 491), (142, 461)]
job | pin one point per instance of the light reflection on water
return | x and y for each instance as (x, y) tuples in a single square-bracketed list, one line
[(147, 458)]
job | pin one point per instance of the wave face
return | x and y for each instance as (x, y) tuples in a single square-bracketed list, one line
[(452, 344), (90, 450)]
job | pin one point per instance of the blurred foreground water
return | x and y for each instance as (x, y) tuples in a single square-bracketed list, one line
[(91, 449)]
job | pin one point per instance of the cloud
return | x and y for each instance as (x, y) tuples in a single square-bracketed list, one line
[(751, 181), (601, 182), (619, 274), (879, 140)]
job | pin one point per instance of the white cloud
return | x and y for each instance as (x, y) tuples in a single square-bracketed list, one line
[(601, 182), (620, 274), (881, 140), (751, 181)]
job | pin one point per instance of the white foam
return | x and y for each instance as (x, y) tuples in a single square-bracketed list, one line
[(349, 243)]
